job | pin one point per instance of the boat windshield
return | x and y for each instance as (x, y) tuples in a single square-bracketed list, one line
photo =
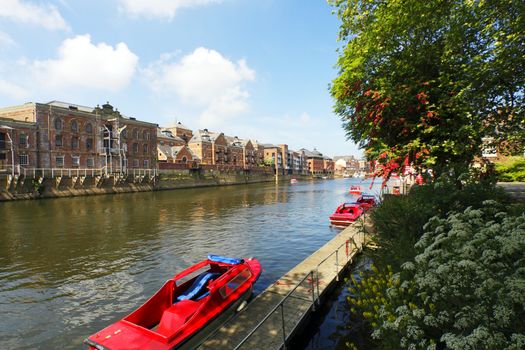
[(235, 283)]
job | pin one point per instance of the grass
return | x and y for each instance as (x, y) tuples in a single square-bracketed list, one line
[(511, 169)]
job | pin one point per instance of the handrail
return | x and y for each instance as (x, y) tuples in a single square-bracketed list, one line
[(280, 304), (314, 278), (54, 172)]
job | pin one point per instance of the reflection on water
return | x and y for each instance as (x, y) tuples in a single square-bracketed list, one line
[(71, 266)]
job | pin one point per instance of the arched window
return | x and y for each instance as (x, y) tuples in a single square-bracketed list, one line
[(145, 135), (184, 159), (89, 128), (145, 149), (135, 148), (135, 134), (74, 126), (58, 124)]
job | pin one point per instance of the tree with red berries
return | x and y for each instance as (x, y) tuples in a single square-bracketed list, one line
[(423, 82)]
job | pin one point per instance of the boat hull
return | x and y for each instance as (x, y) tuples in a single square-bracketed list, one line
[(214, 325), (186, 310)]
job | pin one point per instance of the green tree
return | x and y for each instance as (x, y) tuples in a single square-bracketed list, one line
[(423, 81)]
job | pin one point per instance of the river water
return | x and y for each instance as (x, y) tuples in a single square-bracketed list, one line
[(71, 266)]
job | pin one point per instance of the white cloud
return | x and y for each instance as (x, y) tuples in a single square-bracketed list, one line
[(44, 15), (205, 80), (159, 8), (82, 64), (12, 90), (6, 40)]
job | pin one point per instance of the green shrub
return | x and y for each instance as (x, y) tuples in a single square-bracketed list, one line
[(512, 170), (464, 290), (399, 220)]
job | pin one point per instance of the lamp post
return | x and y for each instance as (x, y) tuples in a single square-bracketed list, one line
[(11, 147)]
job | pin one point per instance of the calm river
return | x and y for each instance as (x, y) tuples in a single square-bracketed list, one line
[(71, 266)]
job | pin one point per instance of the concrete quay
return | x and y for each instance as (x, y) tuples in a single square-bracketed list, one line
[(278, 312)]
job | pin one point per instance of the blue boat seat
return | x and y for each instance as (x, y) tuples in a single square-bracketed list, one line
[(198, 286), (224, 259)]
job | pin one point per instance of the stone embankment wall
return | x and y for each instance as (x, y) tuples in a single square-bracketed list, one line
[(21, 187)]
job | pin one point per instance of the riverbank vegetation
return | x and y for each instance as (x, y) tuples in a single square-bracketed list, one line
[(511, 169), (449, 271), (425, 85)]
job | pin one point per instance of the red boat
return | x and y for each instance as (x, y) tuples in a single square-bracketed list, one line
[(186, 309), (345, 214), (355, 190), (366, 201)]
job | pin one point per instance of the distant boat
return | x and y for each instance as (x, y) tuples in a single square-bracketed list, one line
[(346, 175), (294, 181), (355, 190), (345, 214), (359, 175), (366, 201)]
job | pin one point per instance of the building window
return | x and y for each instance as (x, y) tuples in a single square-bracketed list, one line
[(23, 139), (58, 140), (23, 159), (124, 133), (90, 162), (58, 124), (135, 163), (75, 160), (145, 135), (135, 148), (59, 161), (184, 159), (135, 134), (146, 163), (145, 149), (161, 142), (89, 143), (74, 126), (89, 128), (74, 142)]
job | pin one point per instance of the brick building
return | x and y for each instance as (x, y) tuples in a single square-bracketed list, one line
[(74, 136), (18, 144)]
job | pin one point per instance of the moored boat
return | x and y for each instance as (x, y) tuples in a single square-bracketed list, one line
[(366, 201), (345, 214), (355, 190), (294, 181), (186, 309)]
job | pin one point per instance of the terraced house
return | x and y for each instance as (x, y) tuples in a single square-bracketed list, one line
[(65, 135)]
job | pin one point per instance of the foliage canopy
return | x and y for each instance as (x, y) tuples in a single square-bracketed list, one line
[(423, 81)]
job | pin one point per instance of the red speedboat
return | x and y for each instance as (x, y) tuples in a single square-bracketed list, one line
[(366, 201), (345, 214), (186, 309), (355, 190)]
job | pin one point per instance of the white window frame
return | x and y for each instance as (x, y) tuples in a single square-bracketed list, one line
[(75, 160), (90, 162), (146, 163), (25, 157), (61, 161), (135, 163)]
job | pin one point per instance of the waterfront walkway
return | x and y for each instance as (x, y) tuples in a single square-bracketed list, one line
[(515, 189), (274, 315)]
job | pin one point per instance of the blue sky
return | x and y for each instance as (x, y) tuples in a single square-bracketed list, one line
[(250, 68)]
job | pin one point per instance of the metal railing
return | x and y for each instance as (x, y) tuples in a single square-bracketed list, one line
[(142, 172), (350, 247), (55, 172)]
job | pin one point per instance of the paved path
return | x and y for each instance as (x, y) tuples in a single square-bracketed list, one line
[(515, 189), (326, 266)]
